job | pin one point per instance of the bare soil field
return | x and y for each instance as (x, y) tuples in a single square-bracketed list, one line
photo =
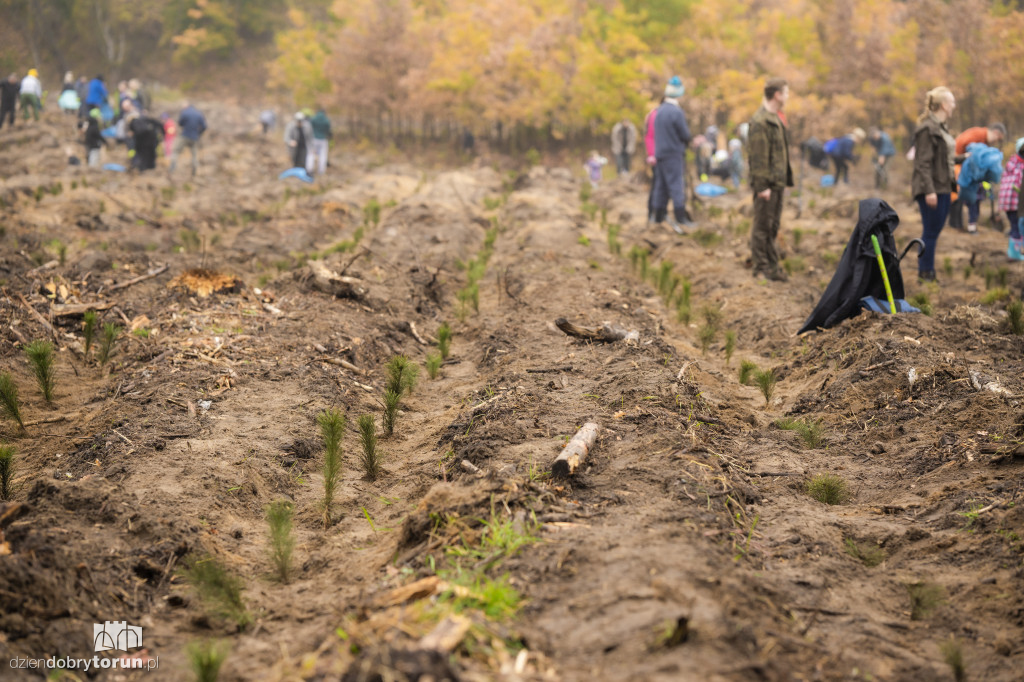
[(686, 547)]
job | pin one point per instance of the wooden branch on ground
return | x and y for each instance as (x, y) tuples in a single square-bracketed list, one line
[(531, 370), (606, 334), (62, 309), (576, 450), (344, 268), (9, 513), (342, 363), (153, 272), (38, 318)]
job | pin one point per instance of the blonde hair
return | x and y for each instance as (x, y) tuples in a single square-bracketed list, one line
[(934, 99)]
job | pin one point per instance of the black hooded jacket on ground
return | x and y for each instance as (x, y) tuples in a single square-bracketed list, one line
[(858, 275)]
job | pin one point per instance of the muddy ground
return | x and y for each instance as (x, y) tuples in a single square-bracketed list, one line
[(687, 546)]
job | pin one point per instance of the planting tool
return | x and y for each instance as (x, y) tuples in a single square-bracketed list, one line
[(920, 248), (885, 274)]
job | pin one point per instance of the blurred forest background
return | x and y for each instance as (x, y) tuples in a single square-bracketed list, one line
[(542, 73)]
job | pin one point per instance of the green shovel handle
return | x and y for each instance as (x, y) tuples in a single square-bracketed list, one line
[(885, 275)]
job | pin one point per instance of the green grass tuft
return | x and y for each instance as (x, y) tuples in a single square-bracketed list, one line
[(920, 300), (1015, 317), (868, 554), (7, 467), (218, 589), (40, 356), (995, 295), (206, 658), (746, 373), (828, 489), (9, 399), (810, 431), (953, 654), (924, 597), (282, 542)]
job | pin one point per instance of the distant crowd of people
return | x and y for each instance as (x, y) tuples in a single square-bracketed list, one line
[(949, 173), (105, 120)]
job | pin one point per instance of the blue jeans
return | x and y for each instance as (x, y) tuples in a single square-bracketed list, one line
[(932, 221), (668, 183), (1014, 225), (973, 211)]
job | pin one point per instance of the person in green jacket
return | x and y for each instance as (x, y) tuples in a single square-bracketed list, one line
[(321, 139), (770, 175)]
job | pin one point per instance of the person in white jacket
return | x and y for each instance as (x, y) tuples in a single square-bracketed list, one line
[(31, 94)]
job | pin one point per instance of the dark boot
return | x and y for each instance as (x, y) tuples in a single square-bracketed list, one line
[(683, 217)]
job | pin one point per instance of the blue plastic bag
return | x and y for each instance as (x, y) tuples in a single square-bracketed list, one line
[(297, 172), (827, 181), (116, 167), (710, 189)]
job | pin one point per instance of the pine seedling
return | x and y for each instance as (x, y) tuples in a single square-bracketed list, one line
[(206, 658), (990, 276), (9, 399), (747, 369), (6, 472), (282, 542), (664, 276), (730, 346), (924, 597), (218, 589), (444, 340), (391, 400), (110, 333), (953, 654), (40, 356), (765, 380), (968, 271), (89, 322), (433, 364), (797, 236), (683, 313), (706, 336), (684, 296), (1015, 317), (332, 429), (371, 459), (402, 374), (712, 316), (947, 266), (1003, 276)]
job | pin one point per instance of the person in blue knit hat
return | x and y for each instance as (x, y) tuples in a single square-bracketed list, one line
[(671, 137)]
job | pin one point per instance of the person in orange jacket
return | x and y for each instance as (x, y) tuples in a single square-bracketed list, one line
[(993, 136), (170, 132)]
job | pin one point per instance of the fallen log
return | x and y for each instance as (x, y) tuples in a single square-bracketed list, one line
[(62, 309), (576, 450), (605, 334)]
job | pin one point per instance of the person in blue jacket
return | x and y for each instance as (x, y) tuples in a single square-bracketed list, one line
[(671, 137), (191, 126), (840, 150), (884, 150)]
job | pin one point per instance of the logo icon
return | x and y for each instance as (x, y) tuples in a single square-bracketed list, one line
[(116, 635)]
